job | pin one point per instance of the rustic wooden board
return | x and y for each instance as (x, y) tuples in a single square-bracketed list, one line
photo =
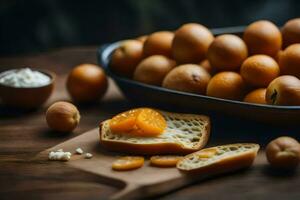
[(143, 182), (23, 136)]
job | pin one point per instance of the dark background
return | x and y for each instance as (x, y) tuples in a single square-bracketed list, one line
[(28, 26)]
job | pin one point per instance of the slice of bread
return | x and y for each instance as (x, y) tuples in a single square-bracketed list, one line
[(219, 159), (185, 133)]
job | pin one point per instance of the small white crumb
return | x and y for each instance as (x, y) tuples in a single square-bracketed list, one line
[(79, 151), (88, 155), (59, 156)]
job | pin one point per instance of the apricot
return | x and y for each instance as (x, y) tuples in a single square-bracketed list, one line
[(158, 43), (291, 32), (284, 90), (62, 116), (207, 66), (125, 121), (283, 152), (87, 83), (164, 161), (257, 96), (143, 122), (263, 37), (188, 78), (277, 57), (259, 70), (152, 70), (150, 122), (128, 163), (190, 43), (126, 57), (226, 85), (227, 52), (289, 61), (142, 38)]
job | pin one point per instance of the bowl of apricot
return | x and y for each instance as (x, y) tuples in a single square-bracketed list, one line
[(249, 72)]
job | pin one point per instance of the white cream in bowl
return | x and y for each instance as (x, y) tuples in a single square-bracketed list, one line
[(24, 78)]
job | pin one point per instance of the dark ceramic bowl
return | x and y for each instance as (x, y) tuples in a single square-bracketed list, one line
[(26, 97), (148, 95)]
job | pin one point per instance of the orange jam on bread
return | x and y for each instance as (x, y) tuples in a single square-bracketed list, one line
[(141, 122)]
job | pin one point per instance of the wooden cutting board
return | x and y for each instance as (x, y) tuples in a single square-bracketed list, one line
[(143, 182)]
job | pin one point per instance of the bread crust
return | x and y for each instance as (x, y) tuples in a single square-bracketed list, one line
[(224, 165), (154, 149)]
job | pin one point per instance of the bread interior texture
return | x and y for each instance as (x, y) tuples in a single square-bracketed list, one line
[(184, 129), (197, 160)]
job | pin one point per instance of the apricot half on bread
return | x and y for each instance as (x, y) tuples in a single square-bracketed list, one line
[(187, 78), (128, 163), (126, 57), (227, 52), (124, 122), (141, 122), (152, 70), (158, 43), (190, 43), (263, 37), (259, 70)]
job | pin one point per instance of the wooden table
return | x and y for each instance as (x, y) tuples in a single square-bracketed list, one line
[(24, 135)]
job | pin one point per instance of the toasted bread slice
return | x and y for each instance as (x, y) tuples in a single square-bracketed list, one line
[(219, 159), (185, 133)]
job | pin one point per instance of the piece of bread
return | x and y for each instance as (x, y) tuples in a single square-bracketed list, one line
[(185, 133), (219, 159)]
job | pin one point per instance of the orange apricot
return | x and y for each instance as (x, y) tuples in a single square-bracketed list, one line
[(128, 163), (144, 122), (150, 122), (164, 161), (124, 122)]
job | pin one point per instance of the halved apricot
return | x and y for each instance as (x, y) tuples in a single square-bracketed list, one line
[(150, 122), (124, 122), (164, 161), (128, 163), (141, 122)]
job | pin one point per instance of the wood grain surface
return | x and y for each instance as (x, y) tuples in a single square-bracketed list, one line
[(151, 180), (24, 135)]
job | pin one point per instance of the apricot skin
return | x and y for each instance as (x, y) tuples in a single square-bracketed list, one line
[(283, 152), (187, 78), (227, 52), (284, 90), (263, 37), (62, 117), (125, 58), (190, 43), (152, 70)]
